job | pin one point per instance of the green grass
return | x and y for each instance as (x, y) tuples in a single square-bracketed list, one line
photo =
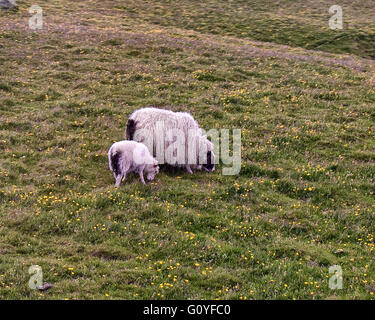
[(303, 201), (285, 22)]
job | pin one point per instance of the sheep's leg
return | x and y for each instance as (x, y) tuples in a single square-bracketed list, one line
[(188, 169), (141, 176), (118, 180)]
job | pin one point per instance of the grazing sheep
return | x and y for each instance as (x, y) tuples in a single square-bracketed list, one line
[(161, 130), (130, 156)]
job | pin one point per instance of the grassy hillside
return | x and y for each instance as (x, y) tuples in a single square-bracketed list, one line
[(303, 201), (292, 22)]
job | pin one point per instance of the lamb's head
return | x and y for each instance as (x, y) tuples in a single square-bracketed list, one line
[(152, 170), (209, 164)]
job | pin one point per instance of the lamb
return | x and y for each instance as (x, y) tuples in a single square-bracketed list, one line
[(130, 156), (161, 130)]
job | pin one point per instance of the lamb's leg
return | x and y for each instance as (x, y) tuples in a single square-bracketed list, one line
[(141, 176), (188, 169)]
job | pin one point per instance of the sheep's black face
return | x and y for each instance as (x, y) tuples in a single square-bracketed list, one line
[(210, 165)]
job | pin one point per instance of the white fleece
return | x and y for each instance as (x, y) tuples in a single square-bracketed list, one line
[(130, 156), (147, 131)]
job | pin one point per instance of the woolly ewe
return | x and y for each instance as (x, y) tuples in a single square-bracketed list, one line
[(171, 136)]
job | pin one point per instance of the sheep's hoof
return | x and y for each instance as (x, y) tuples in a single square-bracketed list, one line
[(189, 170)]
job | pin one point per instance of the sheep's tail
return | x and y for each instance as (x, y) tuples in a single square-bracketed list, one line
[(115, 162), (130, 129)]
